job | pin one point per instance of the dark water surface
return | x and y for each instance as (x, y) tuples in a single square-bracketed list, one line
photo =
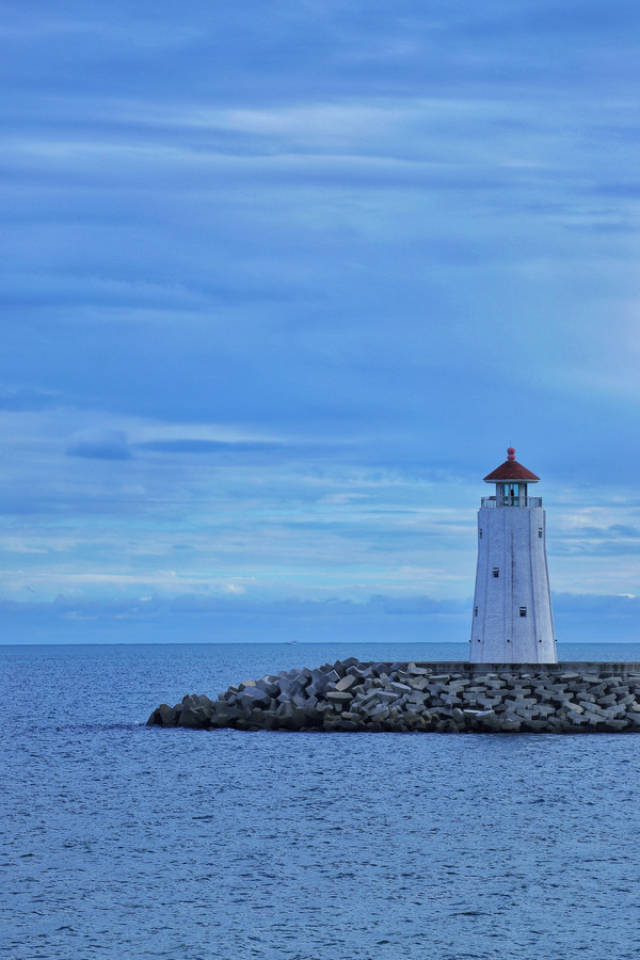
[(121, 841)]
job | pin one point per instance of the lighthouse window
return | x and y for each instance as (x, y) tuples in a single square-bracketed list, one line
[(540, 532), (512, 494), (523, 611), (496, 571), (480, 533), (475, 611)]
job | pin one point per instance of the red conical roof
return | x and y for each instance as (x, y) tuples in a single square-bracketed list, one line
[(511, 470)]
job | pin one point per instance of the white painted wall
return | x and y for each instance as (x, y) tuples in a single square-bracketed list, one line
[(510, 542)]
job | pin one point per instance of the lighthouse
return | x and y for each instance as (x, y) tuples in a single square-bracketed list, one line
[(512, 620)]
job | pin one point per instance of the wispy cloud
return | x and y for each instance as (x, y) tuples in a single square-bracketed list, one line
[(280, 285), (229, 616), (103, 445)]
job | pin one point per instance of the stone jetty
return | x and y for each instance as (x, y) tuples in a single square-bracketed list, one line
[(452, 697)]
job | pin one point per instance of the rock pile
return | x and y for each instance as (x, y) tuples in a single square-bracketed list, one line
[(441, 697)]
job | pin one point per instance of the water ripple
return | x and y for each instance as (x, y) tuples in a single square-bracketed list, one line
[(117, 840)]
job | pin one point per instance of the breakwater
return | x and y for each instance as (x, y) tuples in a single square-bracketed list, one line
[(451, 697)]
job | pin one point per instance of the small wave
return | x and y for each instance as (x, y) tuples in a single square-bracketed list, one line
[(100, 727)]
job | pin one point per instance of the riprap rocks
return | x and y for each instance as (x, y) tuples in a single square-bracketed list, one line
[(453, 697)]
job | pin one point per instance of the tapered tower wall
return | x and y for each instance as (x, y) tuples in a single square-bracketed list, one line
[(512, 620)]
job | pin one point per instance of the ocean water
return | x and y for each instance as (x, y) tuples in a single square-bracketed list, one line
[(122, 841)]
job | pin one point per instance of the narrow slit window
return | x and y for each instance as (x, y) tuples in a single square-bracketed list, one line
[(496, 571), (540, 532), (475, 611), (523, 611), (480, 533)]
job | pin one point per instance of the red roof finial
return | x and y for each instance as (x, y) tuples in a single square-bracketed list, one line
[(511, 453)]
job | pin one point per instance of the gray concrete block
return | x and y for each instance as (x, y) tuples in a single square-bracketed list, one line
[(163, 716), (399, 688), (417, 671), (380, 712), (418, 683), (194, 718), (270, 685), (510, 725), (253, 697), (388, 696), (339, 696)]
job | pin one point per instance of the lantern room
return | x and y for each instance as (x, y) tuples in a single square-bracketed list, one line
[(511, 480)]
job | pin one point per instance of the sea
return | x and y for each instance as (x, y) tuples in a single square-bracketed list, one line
[(123, 841)]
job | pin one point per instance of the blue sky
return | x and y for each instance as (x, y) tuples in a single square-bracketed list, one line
[(280, 283)]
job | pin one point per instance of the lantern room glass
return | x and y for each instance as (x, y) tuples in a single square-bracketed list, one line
[(512, 494)]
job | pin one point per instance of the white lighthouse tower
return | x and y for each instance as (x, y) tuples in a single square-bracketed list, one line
[(512, 620)]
